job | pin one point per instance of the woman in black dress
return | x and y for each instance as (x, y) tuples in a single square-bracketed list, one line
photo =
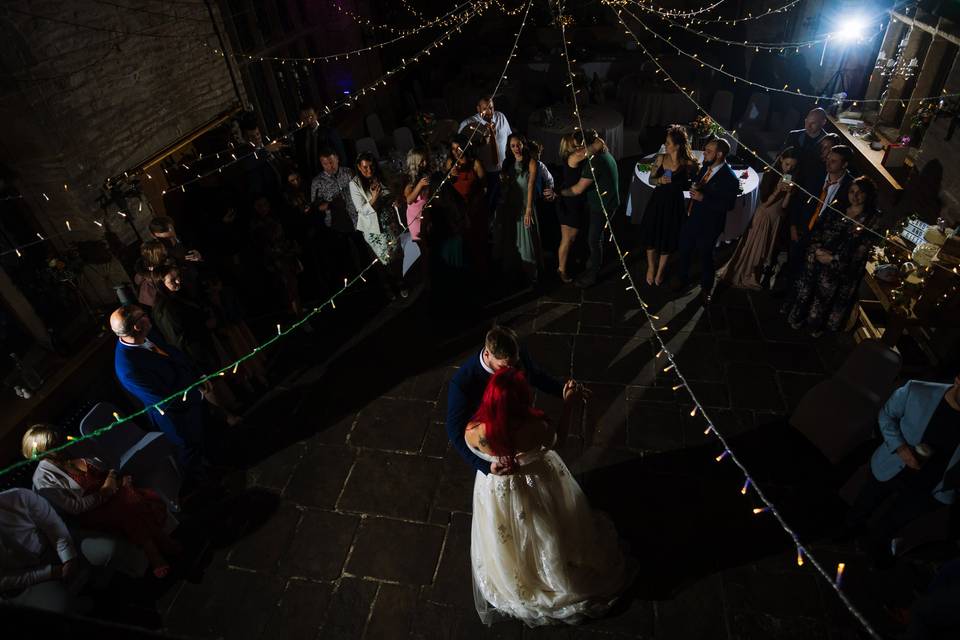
[(666, 210), (570, 211)]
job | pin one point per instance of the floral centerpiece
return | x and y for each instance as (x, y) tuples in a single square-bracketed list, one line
[(704, 128)]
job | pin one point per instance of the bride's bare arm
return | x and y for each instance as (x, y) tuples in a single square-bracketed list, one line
[(570, 397)]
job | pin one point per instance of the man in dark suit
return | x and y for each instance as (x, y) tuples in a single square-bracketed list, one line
[(806, 141), (309, 140), (713, 193), (152, 370), (501, 349)]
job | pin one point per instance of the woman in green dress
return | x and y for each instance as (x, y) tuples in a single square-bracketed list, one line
[(519, 241)]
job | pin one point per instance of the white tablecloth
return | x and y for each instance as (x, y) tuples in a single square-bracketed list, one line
[(606, 120), (738, 218)]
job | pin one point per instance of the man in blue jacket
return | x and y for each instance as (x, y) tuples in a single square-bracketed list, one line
[(152, 370), (917, 463), (501, 349)]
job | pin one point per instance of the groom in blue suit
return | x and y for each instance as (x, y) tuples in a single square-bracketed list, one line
[(152, 370), (501, 349), (713, 194)]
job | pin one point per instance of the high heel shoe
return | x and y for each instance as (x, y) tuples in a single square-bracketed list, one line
[(564, 278)]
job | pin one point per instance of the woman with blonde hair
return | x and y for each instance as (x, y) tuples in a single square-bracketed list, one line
[(671, 175), (84, 489), (416, 192), (570, 211)]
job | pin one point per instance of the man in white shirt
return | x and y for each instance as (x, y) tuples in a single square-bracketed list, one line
[(491, 140), (39, 563)]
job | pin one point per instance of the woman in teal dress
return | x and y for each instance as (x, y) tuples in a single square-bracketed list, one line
[(519, 240)]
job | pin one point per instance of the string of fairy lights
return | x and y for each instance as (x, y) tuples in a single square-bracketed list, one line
[(803, 552), (749, 16), (652, 8), (233, 367), (347, 101), (858, 225), (748, 44), (446, 19), (237, 155), (784, 89)]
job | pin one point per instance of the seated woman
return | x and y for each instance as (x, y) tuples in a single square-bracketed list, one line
[(40, 564), (825, 288), (81, 488), (917, 464), (757, 248)]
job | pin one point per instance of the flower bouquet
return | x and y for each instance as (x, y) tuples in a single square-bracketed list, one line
[(704, 129)]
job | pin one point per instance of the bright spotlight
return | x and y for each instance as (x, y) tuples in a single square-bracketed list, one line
[(851, 29)]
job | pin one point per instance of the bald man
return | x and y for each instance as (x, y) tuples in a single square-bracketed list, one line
[(152, 371)]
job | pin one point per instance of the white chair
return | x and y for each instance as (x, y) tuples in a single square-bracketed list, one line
[(722, 107), (375, 127), (146, 455), (368, 145), (755, 115), (733, 142), (403, 139)]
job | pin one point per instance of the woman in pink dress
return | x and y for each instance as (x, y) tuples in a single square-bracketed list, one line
[(417, 190), (757, 248)]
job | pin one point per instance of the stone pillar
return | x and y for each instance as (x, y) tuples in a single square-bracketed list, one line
[(891, 109), (892, 38), (940, 56)]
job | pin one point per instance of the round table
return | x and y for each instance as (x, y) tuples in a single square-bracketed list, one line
[(738, 218), (606, 120)]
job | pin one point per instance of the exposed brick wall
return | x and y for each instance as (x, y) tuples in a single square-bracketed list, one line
[(86, 104)]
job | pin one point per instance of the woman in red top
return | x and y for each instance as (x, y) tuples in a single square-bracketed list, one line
[(96, 500), (469, 180)]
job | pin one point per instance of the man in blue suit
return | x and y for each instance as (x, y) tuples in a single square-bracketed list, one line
[(713, 193), (152, 370), (501, 349), (917, 463)]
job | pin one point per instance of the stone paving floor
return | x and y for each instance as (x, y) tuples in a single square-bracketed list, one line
[(352, 518)]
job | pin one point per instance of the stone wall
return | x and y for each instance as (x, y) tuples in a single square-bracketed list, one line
[(81, 103)]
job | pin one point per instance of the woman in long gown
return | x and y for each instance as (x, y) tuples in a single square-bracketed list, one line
[(756, 249), (539, 553), (516, 213), (666, 210), (826, 288)]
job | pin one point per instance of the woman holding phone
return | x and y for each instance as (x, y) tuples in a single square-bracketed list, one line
[(757, 248), (665, 212)]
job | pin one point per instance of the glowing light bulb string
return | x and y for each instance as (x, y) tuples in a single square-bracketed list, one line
[(748, 44), (182, 394), (682, 14), (733, 21), (792, 92), (343, 103), (346, 54), (768, 166), (728, 452)]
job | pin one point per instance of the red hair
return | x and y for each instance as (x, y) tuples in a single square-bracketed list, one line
[(507, 403)]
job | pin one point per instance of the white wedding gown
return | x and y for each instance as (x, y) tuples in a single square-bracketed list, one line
[(539, 553)]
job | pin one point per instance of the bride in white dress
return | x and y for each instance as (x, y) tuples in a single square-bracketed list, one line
[(539, 553)]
